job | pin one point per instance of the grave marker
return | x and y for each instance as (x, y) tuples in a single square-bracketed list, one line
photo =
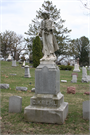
[(15, 104)]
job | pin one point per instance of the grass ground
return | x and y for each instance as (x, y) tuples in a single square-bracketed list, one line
[(14, 123)]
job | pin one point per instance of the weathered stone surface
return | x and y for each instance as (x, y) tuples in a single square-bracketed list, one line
[(33, 90), (47, 79), (47, 105), (74, 79), (46, 115), (15, 104), (21, 88), (4, 86), (47, 100), (86, 109), (76, 68), (9, 58), (64, 81), (14, 63), (88, 68), (27, 72), (71, 90), (85, 77), (47, 108)]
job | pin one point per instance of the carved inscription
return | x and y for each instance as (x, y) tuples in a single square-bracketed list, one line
[(44, 102)]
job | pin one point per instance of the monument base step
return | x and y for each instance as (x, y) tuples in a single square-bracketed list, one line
[(46, 115), (76, 70)]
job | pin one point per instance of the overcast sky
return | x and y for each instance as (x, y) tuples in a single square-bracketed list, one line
[(16, 15)]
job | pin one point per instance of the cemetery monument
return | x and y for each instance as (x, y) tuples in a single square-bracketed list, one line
[(27, 71), (15, 104), (86, 109), (85, 77), (47, 105), (76, 66), (14, 63), (74, 79), (9, 58)]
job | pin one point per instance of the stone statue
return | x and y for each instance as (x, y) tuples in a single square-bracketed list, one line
[(49, 41)]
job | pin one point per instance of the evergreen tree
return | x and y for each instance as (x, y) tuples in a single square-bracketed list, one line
[(37, 51), (60, 32), (81, 50)]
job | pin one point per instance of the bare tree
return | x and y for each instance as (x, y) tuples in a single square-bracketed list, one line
[(12, 43), (85, 3)]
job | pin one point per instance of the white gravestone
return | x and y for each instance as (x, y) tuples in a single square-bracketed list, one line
[(23, 64), (9, 58), (74, 79), (76, 68), (15, 104), (14, 63), (85, 77), (86, 110), (27, 71)]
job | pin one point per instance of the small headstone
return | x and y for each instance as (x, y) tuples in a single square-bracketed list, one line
[(27, 71), (14, 63), (15, 104), (86, 109), (12, 74), (76, 68), (88, 68), (4, 86), (9, 58), (33, 90), (85, 77), (21, 88), (64, 81), (74, 79), (71, 90)]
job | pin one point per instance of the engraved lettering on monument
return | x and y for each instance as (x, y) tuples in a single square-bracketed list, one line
[(44, 102)]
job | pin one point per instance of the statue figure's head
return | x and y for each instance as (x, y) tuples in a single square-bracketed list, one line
[(45, 14)]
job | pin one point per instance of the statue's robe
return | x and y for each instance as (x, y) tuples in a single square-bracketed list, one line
[(49, 41)]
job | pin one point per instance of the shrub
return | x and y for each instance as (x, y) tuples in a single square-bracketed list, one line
[(68, 67)]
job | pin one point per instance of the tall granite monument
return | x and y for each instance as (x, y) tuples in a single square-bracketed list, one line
[(47, 105)]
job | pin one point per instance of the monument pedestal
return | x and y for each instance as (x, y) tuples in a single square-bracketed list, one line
[(47, 105), (27, 72)]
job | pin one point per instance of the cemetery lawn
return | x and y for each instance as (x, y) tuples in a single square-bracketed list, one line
[(14, 123)]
